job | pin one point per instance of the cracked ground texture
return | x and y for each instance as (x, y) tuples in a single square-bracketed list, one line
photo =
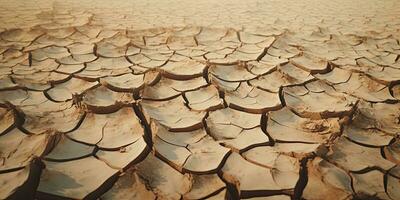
[(184, 99)]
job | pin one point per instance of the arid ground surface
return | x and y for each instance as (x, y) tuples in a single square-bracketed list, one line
[(199, 99)]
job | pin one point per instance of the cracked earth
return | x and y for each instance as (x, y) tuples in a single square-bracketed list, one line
[(261, 100)]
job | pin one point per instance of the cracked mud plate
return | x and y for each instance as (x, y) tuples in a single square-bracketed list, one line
[(195, 100)]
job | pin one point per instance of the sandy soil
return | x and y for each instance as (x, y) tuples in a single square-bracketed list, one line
[(183, 99)]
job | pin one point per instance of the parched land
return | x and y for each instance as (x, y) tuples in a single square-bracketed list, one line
[(171, 100)]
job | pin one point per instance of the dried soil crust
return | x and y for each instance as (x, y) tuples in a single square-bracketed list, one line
[(302, 106)]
